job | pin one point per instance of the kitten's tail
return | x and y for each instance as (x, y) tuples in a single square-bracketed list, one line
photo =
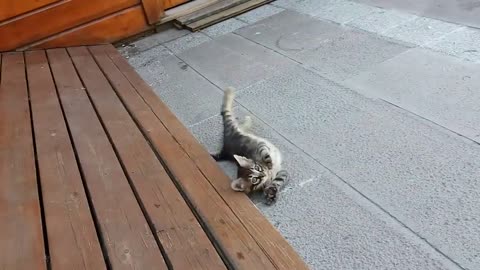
[(228, 97), (229, 120), (230, 124)]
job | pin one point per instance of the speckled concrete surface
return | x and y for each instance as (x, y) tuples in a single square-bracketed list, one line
[(375, 110)]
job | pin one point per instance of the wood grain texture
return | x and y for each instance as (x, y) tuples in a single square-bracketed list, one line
[(108, 29), (126, 234), (21, 236), (276, 248), (71, 232), (239, 247), (209, 10), (10, 8), (185, 243), (214, 16), (154, 10), (173, 3), (185, 9), (46, 22)]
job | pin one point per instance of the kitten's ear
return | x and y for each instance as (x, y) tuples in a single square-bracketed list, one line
[(239, 184), (243, 161)]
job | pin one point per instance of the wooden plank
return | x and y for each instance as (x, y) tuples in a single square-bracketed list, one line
[(66, 15), (21, 236), (269, 239), (226, 14), (185, 9), (126, 235), (72, 238), (208, 11), (185, 243), (10, 9), (108, 29), (154, 10), (239, 247)]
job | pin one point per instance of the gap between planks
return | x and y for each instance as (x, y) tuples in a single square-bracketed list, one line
[(275, 247)]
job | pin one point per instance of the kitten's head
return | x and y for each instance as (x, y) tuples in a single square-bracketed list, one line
[(250, 174)]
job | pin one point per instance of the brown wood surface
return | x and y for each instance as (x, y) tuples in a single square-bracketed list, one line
[(108, 29), (185, 9), (208, 11), (154, 10), (24, 30), (240, 248), (173, 3), (72, 237), (213, 16), (186, 244), (123, 182), (21, 236), (9, 8), (125, 232), (280, 253)]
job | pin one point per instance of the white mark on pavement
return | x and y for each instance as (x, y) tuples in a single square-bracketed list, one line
[(301, 184)]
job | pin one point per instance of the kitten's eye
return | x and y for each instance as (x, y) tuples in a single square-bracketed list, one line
[(255, 180)]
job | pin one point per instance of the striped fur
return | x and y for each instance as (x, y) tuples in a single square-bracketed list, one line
[(258, 159)]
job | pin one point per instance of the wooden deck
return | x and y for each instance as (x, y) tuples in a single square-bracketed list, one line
[(97, 173)]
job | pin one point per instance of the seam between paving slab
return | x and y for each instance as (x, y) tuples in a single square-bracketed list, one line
[(307, 67), (370, 204), (430, 121), (429, 44), (360, 197)]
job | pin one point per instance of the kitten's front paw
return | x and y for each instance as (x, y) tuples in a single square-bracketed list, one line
[(270, 193), (267, 159)]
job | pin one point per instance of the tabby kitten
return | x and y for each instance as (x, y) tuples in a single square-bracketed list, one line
[(258, 159)]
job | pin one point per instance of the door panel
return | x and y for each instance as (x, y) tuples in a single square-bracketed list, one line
[(154, 10), (45, 22), (108, 29), (12, 8), (173, 3)]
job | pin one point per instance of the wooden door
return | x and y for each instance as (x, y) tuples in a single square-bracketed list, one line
[(27, 21), (58, 23)]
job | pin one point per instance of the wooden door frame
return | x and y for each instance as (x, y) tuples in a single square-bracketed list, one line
[(154, 10)]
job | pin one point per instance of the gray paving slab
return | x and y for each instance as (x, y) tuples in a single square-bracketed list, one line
[(153, 40), (463, 43), (148, 56), (344, 11), (311, 7), (186, 42), (289, 32), (317, 213), (381, 21), (231, 60), (259, 13), (335, 51), (424, 176), (421, 31), (190, 96), (224, 27), (401, 191), (440, 88), (465, 12)]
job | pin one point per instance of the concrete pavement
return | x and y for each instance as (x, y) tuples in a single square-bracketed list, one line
[(377, 114)]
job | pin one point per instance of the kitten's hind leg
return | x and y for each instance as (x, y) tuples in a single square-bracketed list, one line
[(273, 187), (247, 123)]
